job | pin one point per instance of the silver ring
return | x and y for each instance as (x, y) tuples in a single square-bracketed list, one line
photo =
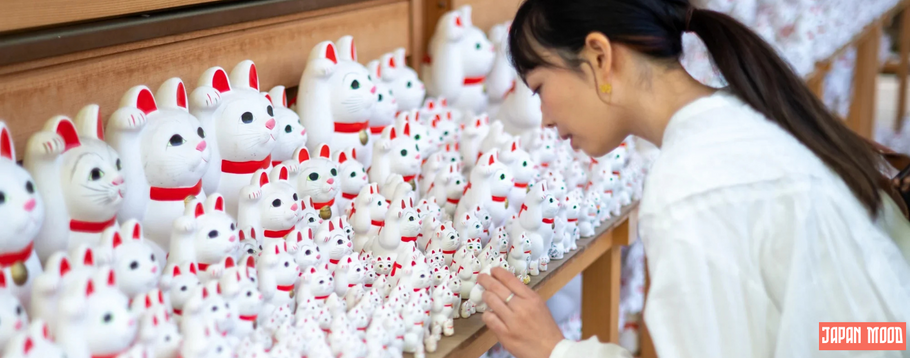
[(509, 298)]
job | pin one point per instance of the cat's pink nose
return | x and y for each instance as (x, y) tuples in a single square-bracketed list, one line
[(201, 146), (155, 269), (349, 244), (317, 256), (30, 205), (270, 123), (232, 238), (330, 181), (373, 90), (294, 207), (303, 132), (117, 181), (18, 325)]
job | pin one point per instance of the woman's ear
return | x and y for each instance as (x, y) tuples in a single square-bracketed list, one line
[(598, 52)]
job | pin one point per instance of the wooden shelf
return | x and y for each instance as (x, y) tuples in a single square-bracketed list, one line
[(472, 338)]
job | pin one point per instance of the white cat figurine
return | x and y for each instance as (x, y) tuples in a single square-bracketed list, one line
[(490, 184), (134, 260), (291, 134), (276, 212), (402, 80), (353, 177), (384, 111), (317, 178), (395, 152)]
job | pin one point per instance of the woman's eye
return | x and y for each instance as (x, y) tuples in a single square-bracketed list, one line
[(200, 132), (314, 176), (176, 140), (246, 117), (96, 174), (404, 152), (334, 172), (29, 187), (355, 84), (117, 163), (134, 265), (213, 234), (276, 203), (288, 129)]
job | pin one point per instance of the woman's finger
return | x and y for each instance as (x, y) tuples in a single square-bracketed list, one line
[(490, 283), (499, 306), (512, 283), (495, 323)]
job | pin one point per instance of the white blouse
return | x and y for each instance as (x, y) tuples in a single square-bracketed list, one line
[(752, 241)]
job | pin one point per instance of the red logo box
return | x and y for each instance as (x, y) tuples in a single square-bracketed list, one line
[(862, 336)]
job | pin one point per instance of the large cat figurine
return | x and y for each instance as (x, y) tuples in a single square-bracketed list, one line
[(291, 134), (402, 80), (520, 112), (164, 156), (336, 97), (460, 57), (501, 80), (384, 111), (240, 128), (22, 211), (78, 176)]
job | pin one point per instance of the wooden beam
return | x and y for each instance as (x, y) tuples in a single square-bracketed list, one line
[(278, 49), (902, 68), (861, 117), (600, 296), (23, 14)]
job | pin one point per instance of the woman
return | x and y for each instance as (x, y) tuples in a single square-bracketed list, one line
[(763, 215)]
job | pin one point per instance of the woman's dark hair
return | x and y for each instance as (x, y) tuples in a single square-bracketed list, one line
[(752, 69)]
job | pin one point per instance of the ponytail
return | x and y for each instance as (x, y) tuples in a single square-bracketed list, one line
[(758, 76), (753, 70)]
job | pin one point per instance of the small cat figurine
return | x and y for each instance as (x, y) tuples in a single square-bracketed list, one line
[(276, 211), (427, 145), (291, 134), (395, 153), (367, 216), (278, 274), (134, 260), (384, 111), (78, 176), (317, 282), (240, 128), (22, 210), (473, 133), (353, 176), (33, 343), (318, 179), (179, 281), (336, 97), (308, 254), (13, 318), (333, 241), (98, 320), (402, 80), (448, 188), (216, 236), (164, 153)]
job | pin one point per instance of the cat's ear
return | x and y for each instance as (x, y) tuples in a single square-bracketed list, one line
[(278, 173), (216, 78), (66, 129), (193, 207), (250, 262), (278, 96), (111, 278), (214, 202), (172, 94), (89, 288), (199, 210), (407, 129), (342, 157), (452, 25), (176, 271), (386, 65), (132, 228), (228, 262), (323, 59), (392, 133), (139, 97), (325, 151), (346, 49), (193, 268), (398, 56), (375, 70), (7, 150), (116, 240), (244, 75), (261, 178), (302, 154)]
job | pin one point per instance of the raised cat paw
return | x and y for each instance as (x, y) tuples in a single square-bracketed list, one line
[(251, 192), (215, 271), (185, 224), (46, 144), (205, 97), (130, 119)]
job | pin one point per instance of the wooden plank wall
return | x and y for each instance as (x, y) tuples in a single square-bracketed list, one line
[(278, 46), (24, 14)]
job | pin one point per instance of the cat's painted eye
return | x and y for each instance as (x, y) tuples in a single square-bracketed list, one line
[(378, 203), (404, 152), (364, 170), (353, 174), (453, 160), (486, 218), (287, 264), (232, 227), (334, 172), (200, 132), (321, 282), (551, 200), (134, 265), (390, 93), (119, 167), (380, 97), (308, 252), (416, 147), (288, 129), (355, 84), (276, 203), (502, 176), (410, 218), (370, 77), (270, 111), (2, 197), (213, 234), (29, 187), (313, 176), (312, 220), (250, 251), (214, 308), (152, 257), (96, 174), (246, 117), (524, 163), (18, 310), (417, 137), (340, 242), (458, 182), (409, 84), (477, 46), (249, 293), (108, 317), (182, 288), (445, 133), (294, 196), (176, 140)]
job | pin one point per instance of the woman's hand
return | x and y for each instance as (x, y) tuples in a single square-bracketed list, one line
[(524, 326)]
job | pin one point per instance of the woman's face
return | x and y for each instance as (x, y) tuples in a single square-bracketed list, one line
[(570, 101)]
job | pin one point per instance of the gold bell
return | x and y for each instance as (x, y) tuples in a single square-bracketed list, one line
[(291, 293), (188, 199), (507, 203), (364, 137), (19, 273), (413, 184), (325, 213)]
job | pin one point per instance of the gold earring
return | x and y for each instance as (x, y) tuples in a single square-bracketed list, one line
[(606, 88)]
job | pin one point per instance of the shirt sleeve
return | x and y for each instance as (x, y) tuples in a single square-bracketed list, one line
[(588, 348)]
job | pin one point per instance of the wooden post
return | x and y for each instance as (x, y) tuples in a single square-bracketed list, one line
[(416, 50), (645, 344), (816, 81), (902, 69), (862, 110), (600, 292)]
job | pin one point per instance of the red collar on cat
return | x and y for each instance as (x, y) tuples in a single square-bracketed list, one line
[(250, 167), (377, 130), (351, 127), (323, 298), (521, 185), (113, 355), (547, 221), (473, 80), (334, 261), (285, 288), (380, 223), (498, 199), (249, 318), (318, 206), (408, 238), (409, 177), (202, 266), (572, 220), (453, 201), (348, 196), (8, 259), (277, 234), (92, 227), (174, 194)]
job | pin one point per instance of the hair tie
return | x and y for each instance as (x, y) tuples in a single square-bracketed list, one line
[(689, 17)]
